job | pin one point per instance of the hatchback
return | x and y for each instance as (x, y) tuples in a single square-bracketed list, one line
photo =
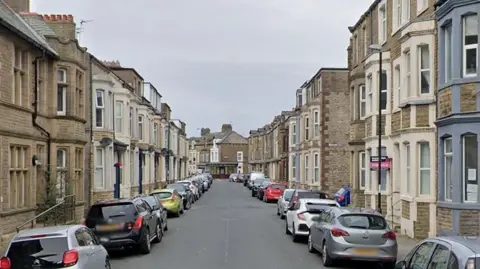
[(273, 192)]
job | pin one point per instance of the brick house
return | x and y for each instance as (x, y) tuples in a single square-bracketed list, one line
[(222, 153), (405, 30), (458, 206), (256, 150)]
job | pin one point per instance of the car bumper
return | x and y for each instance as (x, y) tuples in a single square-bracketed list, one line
[(301, 228), (272, 197), (120, 240), (340, 249)]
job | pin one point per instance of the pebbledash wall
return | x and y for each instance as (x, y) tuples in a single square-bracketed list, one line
[(458, 123)]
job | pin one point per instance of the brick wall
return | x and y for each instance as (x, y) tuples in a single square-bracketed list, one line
[(444, 103)]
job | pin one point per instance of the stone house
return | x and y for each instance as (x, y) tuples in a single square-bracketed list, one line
[(458, 205), (405, 30), (256, 150), (322, 131), (222, 153)]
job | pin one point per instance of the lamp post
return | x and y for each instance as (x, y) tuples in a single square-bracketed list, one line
[(378, 48)]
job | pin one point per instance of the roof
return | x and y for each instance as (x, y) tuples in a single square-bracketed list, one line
[(61, 230), (120, 68), (229, 137), (15, 23), (365, 14)]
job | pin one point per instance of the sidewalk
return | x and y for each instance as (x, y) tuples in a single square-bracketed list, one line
[(405, 244)]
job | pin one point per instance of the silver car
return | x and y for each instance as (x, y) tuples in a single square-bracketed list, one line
[(69, 246), (352, 234), (282, 202)]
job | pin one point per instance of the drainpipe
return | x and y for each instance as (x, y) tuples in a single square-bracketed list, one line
[(90, 154), (297, 151), (116, 186), (40, 128)]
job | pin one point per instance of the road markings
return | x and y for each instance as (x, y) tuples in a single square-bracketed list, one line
[(227, 232)]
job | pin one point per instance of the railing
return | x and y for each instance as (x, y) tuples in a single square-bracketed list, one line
[(60, 213)]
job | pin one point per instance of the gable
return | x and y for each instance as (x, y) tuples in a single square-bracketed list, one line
[(234, 138)]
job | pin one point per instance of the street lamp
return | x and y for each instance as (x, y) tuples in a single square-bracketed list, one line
[(378, 48)]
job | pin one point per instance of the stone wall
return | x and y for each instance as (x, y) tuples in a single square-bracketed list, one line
[(422, 224), (444, 220), (405, 209)]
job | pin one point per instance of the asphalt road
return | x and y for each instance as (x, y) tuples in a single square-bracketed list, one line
[(226, 229)]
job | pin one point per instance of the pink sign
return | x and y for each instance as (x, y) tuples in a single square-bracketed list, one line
[(387, 164)]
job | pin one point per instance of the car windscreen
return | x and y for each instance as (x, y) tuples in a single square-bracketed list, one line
[(258, 182), (152, 201), (162, 195), (318, 207), (116, 213), (38, 253), (278, 187), (178, 187), (287, 195), (363, 221), (312, 194), (265, 184)]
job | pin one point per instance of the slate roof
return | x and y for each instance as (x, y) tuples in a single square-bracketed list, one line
[(38, 24), (230, 137), (14, 22)]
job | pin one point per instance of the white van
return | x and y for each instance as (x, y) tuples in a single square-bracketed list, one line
[(256, 175)]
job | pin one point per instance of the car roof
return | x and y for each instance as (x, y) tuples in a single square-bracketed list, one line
[(471, 242), (289, 190), (62, 230), (319, 201), (353, 210), (114, 201), (162, 190)]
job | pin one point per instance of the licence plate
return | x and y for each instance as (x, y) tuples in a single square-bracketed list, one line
[(365, 251), (109, 227)]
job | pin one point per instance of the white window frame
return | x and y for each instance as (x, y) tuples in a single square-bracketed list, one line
[(406, 11), (294, 134), (398, 13), (362, 91), (384, 91), (370, 171), (306, 159), (468, 47), (422, 5), (155, 134), (100, 93), (316, 169), (408, 74), (316, 123), (408, 168), (464, 181), (100, 168), (370, 94), (398, 86), (447, 155), (424, 169), (61, 173), (62, 87), (382, 33), (307, 128), (239, 156), (140, 127), (363, 169), (424, 70), (118, 118)]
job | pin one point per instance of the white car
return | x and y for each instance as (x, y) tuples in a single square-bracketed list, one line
[(298, 219), (283, 201), (192, 187)]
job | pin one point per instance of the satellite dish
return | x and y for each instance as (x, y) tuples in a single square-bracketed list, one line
[(106, 141)]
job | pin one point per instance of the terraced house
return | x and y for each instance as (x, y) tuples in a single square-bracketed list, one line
[(458, 117), (404, 30)]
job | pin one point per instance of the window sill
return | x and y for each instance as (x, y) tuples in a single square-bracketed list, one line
[(406, 197), (423, 198), (417, 101)]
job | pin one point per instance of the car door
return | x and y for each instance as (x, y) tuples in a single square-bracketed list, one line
[(442, 257), (142, 211), (315, 229), (152, 219), (97, 259), (86, 251), (421, 256), (292, 214)]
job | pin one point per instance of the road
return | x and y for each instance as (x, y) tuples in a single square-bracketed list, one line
[(226, 229)]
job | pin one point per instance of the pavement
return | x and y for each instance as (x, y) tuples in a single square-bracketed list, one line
[(227, 229)]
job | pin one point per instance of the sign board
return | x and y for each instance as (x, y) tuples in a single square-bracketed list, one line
[(384, 164), (375, 158)]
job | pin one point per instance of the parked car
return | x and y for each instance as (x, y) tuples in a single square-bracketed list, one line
[(171, 200), (185, 192), (69, 246), (273, 192), (189, 184), (256, 184), (198, 185), (283, 201), (246, 180), (450, 252), (355, 234), (300, 194), (261, 189), (232, 177), (124, 223), (298, 219), (158, 209)]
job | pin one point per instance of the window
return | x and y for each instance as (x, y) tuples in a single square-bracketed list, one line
[(316, 125), (294, 166), (132, 124), (78, 170), (20, 70), (424, 76), (408, 74), (155, 134), (294, 134), (100, 109), (100, 168), (398, 13), (355, 48), (440, 257), (365, 41), (397, 79), (140, 127), (18, 190), (306, 168), (307, 123), (79, 85), (421, 5), (382, 11), (166, 134), (370, 174), (363, 101), (448, 52), (406, 11), (370, 94), (424, 168), (118, 116), (315, 167), (61, 172), (383, 90), (363, 169), (470, 167), (408, 168), (447, 166), (239, 156), (61, 92), (470, 45)]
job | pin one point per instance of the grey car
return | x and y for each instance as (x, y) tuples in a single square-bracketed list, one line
[(282, 202), (354, 234), (69, 246)]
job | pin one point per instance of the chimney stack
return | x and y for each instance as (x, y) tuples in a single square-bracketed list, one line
[(63, 25), (204, 131), (19, 5), (226, 128)]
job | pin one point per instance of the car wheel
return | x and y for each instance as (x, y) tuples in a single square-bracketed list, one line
[(278, 212), (166, 226), (158, 233), (189, 204), (253, 195), (145, 245), (182, 209), (107, 264), (311, 249), (294, 235), (282, 216), (326, 260), (286, 228)]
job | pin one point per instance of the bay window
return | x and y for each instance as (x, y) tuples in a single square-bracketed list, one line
[(307, 125), (383, 180), (408, 74), (383, 90), (100, 168), (470, 45), (424, 169), (294, 134), (100, 109), (140, 127), (470, 167), (370, 94), (397, 80), (363, 101), (447, 166), (408, 168), (294, 166), (424, 69)]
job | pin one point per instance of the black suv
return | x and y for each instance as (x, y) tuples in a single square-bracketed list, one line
[(124, 223)]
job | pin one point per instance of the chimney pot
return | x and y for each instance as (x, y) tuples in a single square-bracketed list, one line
[(227, 128)]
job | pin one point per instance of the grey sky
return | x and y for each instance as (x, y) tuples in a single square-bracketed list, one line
[(218, 61)]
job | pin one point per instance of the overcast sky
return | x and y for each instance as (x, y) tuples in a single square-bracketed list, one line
[(218, 61)]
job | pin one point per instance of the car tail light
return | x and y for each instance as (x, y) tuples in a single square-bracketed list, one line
[(138, 223), (300, 216), (174, 197), (341, 198), (5, 263), (390, 235), (295, 198), (470, 264), (84, 223), (339, 232), (70, 258)]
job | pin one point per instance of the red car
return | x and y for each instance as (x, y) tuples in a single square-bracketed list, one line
[(273, 191)]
